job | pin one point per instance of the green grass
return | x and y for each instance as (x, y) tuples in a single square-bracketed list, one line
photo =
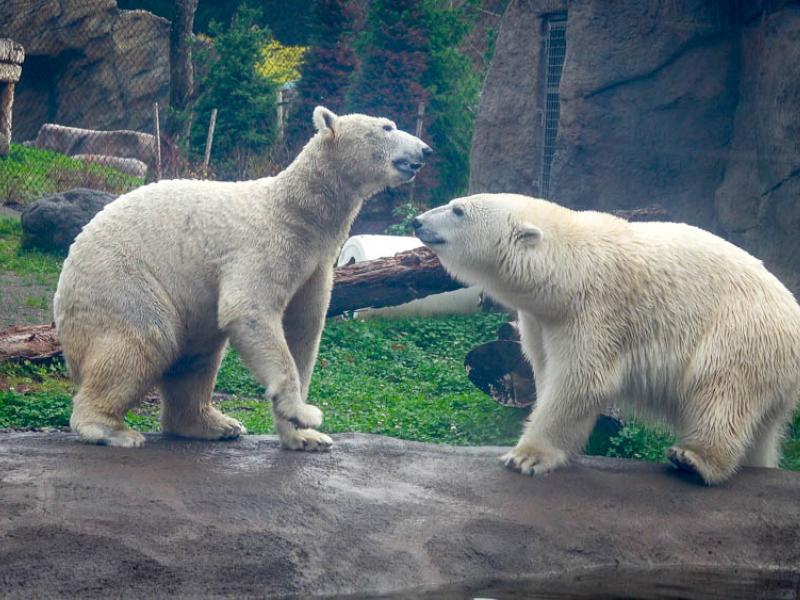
[(402, 378), (27, 174), (40, 266)]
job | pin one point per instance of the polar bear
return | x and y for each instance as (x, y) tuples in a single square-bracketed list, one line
[(157, 283), (664, 317)]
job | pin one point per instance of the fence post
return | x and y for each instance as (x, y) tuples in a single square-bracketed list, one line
[(209, 141), (158, 141), (281, 110), (418, 133)]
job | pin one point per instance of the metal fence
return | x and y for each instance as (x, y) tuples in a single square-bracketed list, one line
[(555, 52)]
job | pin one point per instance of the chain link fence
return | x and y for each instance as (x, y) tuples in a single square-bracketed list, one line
[(88, 102)]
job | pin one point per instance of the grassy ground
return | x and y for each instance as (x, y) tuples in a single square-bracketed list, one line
[(27, 278), (27, 174), (402, 378)]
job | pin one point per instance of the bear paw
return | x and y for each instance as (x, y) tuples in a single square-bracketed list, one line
[(308, 440), (213, 426), (689, 461), (103, 435), (301, 415), (530, 459)]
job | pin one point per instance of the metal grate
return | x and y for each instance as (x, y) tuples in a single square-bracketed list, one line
[(554, 52)]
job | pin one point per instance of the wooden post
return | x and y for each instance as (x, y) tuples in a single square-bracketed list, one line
[(418, 133), (209, 141), (158, 141), (281, 116)]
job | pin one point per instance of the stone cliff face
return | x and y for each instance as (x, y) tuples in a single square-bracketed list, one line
[(88, 64), (693, 105)]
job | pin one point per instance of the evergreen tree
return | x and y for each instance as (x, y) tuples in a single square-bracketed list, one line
[(245, 99), (410, 55), (327, 69), (453, 84), (394, 57)]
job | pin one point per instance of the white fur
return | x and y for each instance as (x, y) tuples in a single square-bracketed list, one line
[(162, 277), (667, 318)]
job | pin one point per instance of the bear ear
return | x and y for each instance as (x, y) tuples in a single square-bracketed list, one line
[(325, 120), (529, 234)]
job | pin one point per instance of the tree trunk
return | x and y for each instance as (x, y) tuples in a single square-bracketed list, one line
[(389, 281), (182, 70)]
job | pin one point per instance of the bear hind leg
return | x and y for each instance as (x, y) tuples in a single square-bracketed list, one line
[(186, 409), (765, 449), (109, 386), (715, 437)]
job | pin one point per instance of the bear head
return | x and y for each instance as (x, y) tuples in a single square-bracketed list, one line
[(502, 242), (370, 150)]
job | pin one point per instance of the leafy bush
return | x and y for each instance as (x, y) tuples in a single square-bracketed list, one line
[(27, 174), (639, 442), (280, 64)]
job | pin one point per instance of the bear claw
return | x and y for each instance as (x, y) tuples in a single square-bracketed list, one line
[(308, 440)]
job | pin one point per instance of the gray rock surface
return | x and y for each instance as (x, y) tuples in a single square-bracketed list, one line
[(130, 166), (121, 143), (379, 516), (88, 64), (758, 202), (53, 222), (693, 106)]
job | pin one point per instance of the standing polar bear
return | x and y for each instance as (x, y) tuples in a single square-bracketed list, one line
[(667, 318), (162, 277)]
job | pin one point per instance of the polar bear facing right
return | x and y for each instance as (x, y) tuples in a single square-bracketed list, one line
[(667, 318), (162, 278)]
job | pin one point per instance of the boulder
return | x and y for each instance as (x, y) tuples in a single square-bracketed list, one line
[(53, 222), (379, 517), (130, 166), (87, 64), (693, 106), (74, 140)]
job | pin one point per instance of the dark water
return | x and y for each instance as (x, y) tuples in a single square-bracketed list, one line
[(658, 584)]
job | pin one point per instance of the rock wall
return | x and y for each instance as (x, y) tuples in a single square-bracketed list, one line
[(88, 64), (693, 105)]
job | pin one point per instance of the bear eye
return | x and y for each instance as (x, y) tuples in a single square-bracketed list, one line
[(458, 211), (387, 127)]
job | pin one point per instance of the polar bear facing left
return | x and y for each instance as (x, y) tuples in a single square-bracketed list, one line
[(666, 318), (163, 277)]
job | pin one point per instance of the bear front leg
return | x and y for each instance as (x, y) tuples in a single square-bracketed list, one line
[(304, 321), (558, 427), (260, 341)]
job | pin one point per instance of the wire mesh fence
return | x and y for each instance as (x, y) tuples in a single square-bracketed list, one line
[(81, 113), (90, 105)]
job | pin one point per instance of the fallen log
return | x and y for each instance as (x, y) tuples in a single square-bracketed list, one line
[(389, 281), (29, 342)]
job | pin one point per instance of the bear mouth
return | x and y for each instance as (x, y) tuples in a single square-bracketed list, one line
[(428, 238), (407, 168)]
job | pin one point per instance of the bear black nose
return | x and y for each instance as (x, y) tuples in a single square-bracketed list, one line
[(415, 166), (426, 151), (416, 223)]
